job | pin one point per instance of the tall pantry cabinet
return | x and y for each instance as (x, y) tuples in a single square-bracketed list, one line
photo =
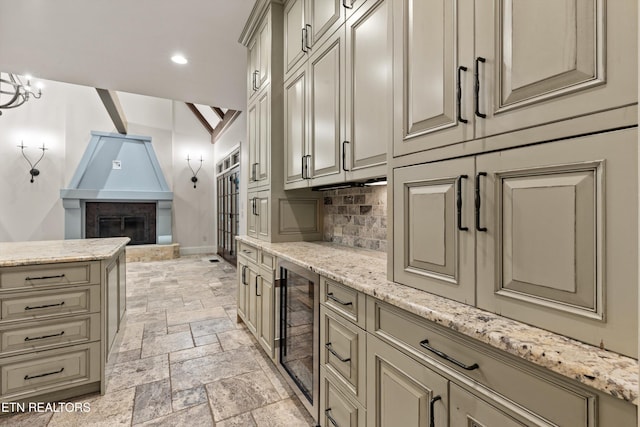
[(515, 161)]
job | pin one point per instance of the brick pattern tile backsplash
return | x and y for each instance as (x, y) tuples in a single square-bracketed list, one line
[(356, 217)]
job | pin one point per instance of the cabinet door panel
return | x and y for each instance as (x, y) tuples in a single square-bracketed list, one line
[(468, 410), (325, 16), (252, 217), (400, 389), (252, 125), (559, 249), (295, 132), (254, 65), (326, 72), (584, 61), (266, 329), (265, 54), (369, 95), (263, 149), (430, 252), (293, 36), (251, 319), (262, 209)]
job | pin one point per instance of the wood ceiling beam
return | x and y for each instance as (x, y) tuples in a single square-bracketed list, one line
[(218, 112), (114, 109), (200, 117), (229, 117)]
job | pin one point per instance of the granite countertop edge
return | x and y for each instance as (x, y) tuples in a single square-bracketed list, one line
[(16, 254), (365, 271)]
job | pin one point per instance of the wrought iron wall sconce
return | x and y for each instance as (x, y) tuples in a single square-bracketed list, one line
[(33, 171), (194, 178)]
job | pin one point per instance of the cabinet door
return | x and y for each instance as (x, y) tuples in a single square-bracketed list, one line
[(266, 328), (254, 65), (551, 60), (263, 146), (324, 18), (326, 112), (433, 73), (263, 67), (252, 130), (469, 410), (369, 120), (401, 391), (251, 319), (243, 285), (295, 129), (295, 42), (560, 246), (111, 287), (433, 246), (122, 287), (263, 216), (252, 215)]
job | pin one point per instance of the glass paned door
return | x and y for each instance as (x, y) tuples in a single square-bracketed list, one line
[(228, 186)]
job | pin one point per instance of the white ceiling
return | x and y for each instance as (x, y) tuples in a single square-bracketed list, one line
[(126, 45)]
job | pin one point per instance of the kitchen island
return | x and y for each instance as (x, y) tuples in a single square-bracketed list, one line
[(601, 378), (61, 304)]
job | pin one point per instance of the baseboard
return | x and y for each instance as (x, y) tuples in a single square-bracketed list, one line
[(197, 250)]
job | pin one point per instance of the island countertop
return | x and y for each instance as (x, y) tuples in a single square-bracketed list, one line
[(14, 254), (365, 271)]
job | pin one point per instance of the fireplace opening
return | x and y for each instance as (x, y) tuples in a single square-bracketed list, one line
[(136, 221)]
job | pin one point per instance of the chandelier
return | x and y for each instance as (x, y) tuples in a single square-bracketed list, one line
[(13, 93)]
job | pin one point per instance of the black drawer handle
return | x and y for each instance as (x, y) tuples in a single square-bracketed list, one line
[(432, 404), (338, 300), (256, 282), (27, 377), (425, 344), (479, 201), (329, 347), (59, 276), (44, 306), (344, 156), (459, 203), (44, 337), (327, 412), (244, 275), (459, 94), (479, 59)]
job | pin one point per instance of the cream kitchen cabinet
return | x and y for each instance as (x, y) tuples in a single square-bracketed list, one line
[(256, 295), (466, 69), (259, 60), (543, 234), (259, 214), (308, 23), (338, 112), (259, 137)]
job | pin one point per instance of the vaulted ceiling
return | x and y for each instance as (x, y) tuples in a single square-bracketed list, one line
[(126, 45)]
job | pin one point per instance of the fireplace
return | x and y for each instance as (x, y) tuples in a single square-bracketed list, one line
[(116, 219)]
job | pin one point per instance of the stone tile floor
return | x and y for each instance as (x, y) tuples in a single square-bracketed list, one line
[(181, 359)]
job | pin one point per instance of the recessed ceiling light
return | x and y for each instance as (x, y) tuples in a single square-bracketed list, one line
[(179, 59)]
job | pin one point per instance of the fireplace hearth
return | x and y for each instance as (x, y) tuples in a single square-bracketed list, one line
[(121, 219)]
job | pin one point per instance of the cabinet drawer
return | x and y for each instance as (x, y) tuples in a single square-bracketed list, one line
[(248, 252), (41, 335), (336, 408), (521, 382), (52, 303), (346, 301), (40, 276), (342, 353), (267, 261), (50, 370)]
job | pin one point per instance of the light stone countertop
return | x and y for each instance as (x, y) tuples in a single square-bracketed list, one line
[(52, 251), (365, 271)]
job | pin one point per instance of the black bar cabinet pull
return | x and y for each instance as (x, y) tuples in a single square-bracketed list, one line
[(44, 337), (60, 304), (304, 36), (479, 201), (308, 164), (254, 86), (344, 156), (338, 300), (432, 404), (329, 347), (302, 167), (459, 94), (59, 276), (30, 377), (477, 86), (425, 344), (307, 28), (459, 202), (344, 4), (256, 282), (327, 411), (256, 207), (244, 275)]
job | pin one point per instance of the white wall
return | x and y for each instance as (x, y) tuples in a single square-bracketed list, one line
[(63, 119)]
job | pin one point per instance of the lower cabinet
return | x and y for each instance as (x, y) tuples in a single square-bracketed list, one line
[(336, 407), (468, 410), (256, 295)]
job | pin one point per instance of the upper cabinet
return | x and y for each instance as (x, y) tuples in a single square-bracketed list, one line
[(308, 24), (259, 60), (463, 72), (338, 113)]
